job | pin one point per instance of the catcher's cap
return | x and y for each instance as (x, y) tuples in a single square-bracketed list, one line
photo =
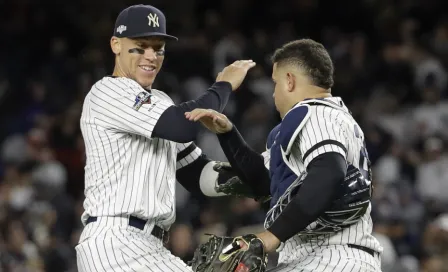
[(141, 21)]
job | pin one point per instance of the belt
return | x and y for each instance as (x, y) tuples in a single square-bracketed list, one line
[(139, 223), (363, 248)]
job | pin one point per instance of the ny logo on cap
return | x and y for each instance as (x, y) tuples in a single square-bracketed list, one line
[(153, 19), (121, 28)]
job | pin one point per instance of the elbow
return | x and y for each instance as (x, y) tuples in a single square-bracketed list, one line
[(178, 133), (331, 166), (339, 174), (322, 184)]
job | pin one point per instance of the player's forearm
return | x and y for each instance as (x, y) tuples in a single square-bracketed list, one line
[(200, 178), (319, 189), (246, 162), (172, 124), (189, 175)]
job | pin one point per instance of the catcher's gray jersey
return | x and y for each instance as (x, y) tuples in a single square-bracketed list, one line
[(127, 173), (328, 127)]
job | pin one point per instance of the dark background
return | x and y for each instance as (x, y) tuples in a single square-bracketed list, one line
[(391, 62)]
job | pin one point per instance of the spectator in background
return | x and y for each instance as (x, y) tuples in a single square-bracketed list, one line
[(19, 254), (181, 241), (431, 115), (432, 176)]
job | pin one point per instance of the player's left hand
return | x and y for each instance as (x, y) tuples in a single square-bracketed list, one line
[(214, 121)]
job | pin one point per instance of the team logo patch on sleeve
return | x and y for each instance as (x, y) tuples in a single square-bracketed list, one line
[(140, 99)]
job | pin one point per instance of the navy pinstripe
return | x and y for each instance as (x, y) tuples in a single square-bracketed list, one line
[(127, 173), (329, 128)]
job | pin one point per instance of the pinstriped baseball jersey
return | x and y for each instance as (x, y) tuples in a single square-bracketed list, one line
[(114, 246), (128, 172), (330, 128)]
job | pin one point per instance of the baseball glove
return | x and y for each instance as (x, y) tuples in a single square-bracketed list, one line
[(230, 184), (224, 254)]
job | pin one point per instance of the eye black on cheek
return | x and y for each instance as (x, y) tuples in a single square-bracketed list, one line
[(136, 51)]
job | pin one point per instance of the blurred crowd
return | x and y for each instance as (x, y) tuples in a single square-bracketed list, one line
[(391, 60)]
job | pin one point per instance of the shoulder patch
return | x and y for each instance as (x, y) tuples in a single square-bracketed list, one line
[(142, 98), (293, 122), (272, 135)]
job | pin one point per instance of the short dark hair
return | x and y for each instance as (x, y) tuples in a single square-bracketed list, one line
[(311, 57)]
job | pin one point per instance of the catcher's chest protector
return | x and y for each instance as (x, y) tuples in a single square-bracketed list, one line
[(354, 198), (279, 141)]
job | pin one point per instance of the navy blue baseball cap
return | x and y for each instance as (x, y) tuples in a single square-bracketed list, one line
[(141, 21)]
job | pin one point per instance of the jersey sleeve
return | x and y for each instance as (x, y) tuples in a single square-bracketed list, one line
[(186, 154), (123, 105), (322, 133)]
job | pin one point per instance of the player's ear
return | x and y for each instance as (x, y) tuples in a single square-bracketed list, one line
[(115, 45), (291, 81)]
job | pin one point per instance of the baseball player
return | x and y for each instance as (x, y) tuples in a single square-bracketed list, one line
[(137, 144), (315, 169)]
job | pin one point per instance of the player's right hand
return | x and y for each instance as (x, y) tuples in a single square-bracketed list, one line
[(214, 121), (235, 72)]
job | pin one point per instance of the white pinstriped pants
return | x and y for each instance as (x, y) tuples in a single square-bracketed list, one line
[(110, 244), (335, 258)]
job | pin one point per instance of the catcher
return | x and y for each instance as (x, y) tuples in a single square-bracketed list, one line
[(316, 172)]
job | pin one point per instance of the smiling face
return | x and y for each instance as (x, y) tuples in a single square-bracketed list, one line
[(139, 59)]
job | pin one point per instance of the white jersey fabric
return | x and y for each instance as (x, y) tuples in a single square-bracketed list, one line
[(329, 128), (127, 173)]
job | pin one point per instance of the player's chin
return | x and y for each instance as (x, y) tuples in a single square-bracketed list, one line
[(146, 79)]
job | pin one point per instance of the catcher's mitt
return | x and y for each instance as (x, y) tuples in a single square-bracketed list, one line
[(224, 254), (230, 184)]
